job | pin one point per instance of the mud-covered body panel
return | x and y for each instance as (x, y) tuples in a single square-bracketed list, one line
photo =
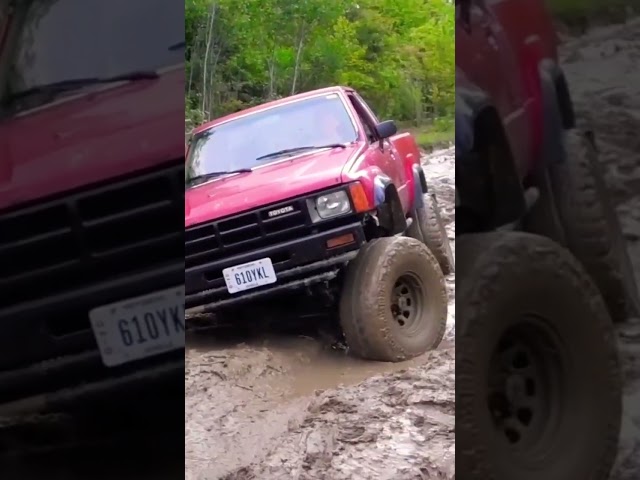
[(497, 66), (508, 88)]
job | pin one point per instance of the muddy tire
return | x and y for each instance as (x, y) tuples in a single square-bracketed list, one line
[(591, 227), (428, 227), (394, 301), (538, 387)]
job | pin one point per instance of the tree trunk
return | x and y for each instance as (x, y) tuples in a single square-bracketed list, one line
[(296, 69), (214, 68), (206, 58), (272, 75)]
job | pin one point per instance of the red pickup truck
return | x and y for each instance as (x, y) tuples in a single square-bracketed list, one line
[(542, 264), (514, 108), (91, 172), (312, 193)]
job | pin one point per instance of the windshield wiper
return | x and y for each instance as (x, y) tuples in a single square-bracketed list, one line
[(300, 149), (74, 83), (206, 176)]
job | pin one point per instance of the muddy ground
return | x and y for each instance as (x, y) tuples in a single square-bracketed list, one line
[(294, 406), (604, 77)]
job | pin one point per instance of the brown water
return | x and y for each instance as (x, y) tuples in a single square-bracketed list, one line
[(304, 364), (243, 401)]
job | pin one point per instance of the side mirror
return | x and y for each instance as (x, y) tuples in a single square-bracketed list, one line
[(386, 129)]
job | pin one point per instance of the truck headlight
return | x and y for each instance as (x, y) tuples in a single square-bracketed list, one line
[(330, 205)]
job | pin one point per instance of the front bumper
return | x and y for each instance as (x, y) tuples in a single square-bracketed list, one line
[(37, 388), (42, 368), (297, 263)]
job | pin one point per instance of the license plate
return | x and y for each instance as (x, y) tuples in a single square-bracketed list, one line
[(249, 275), (139, 327)]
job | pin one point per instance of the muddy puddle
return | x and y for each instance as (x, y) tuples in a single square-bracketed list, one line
[(243, 398), (284, 406), (301, 364)]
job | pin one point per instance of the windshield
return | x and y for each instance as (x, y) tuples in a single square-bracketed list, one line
[(240, 143), (63, 40)]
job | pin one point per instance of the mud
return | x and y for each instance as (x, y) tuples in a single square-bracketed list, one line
[(295, 405), (602, 69)]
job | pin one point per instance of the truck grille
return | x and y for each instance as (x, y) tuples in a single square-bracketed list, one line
[(255, 229), (92, 236)]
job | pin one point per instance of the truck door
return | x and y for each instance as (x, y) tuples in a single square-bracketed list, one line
[(387, 157), (480, 48), (485, 53)]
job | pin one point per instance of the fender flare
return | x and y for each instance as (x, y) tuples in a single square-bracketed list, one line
[(387, 202), (472, 106), (552, 117), (469, 103), (552, 72), (419, 186), (380, 184)]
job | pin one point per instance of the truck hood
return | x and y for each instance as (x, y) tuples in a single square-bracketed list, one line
[(101, 133), (267, 184)]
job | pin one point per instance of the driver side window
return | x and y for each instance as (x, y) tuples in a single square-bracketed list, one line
[(366, 123)]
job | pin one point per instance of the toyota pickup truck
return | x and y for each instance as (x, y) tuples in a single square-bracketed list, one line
[(542, 265), (91, 265), (540, 163), (312, 197)]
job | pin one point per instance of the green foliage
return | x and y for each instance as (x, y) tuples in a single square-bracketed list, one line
[(399, 54), (432, 134)]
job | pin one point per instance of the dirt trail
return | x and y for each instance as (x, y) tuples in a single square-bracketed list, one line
[(292, 407), (602, 68)]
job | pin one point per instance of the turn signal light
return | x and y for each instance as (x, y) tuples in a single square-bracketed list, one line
[(359, 198), (341, 240)]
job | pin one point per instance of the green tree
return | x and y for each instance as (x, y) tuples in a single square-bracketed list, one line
[(399, 54)]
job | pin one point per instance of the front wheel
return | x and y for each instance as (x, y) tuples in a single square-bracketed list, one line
[(538, 386), (394, 301)]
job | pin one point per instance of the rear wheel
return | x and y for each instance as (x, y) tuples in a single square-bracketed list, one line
[(538, 389), (428, 227), (590, 224), (394, 301)]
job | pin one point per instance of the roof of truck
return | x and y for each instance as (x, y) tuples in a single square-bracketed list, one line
[(274, 103)]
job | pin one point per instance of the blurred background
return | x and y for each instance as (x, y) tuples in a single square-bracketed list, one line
[(397, 53)]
